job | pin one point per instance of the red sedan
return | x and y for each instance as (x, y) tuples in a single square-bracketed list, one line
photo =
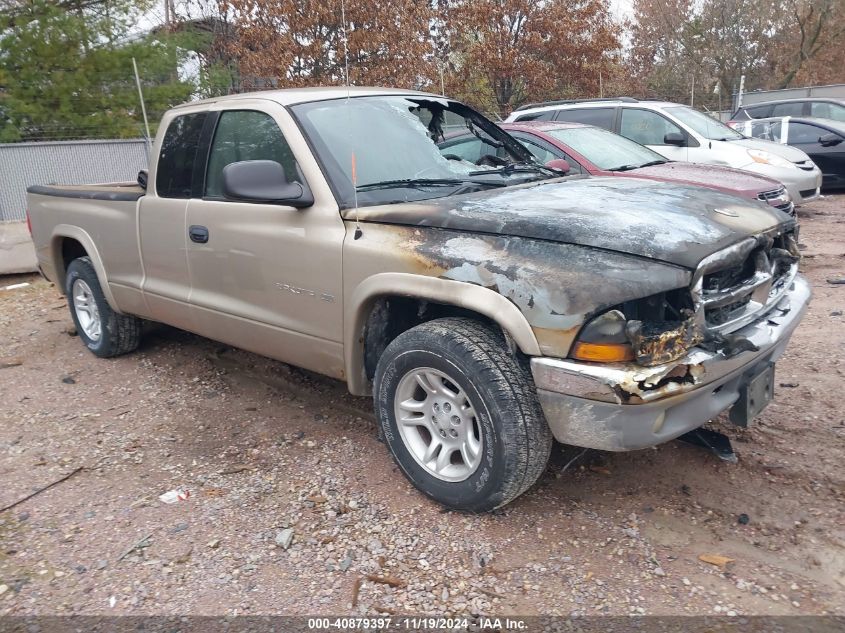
[(598, 152)]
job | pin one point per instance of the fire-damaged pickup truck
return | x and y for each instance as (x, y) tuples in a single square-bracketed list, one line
[(488, 307)]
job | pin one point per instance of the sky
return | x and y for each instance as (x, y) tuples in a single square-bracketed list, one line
[(621, 9)]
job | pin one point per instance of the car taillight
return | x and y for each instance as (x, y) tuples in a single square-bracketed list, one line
[(28, 223)]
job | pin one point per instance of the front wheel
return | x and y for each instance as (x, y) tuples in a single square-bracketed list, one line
[(105, 332), (460, 414)]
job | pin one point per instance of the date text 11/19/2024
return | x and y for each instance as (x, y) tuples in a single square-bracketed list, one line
[(410, 623)]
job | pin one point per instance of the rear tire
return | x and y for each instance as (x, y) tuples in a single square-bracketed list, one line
[(105, 332), (460, 414)]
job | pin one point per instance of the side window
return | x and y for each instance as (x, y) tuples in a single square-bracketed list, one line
[(759, 112), (788, 109), (801, 133), (646, 127), (574, 164), (175, 167), (600, 117), (540, 153), (246, 135), (827, 111), (546, 115)]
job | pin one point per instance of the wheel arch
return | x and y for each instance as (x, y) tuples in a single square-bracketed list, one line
[(69, 242), (467, 298)]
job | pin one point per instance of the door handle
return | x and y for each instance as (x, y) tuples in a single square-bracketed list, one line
[(198, 234)]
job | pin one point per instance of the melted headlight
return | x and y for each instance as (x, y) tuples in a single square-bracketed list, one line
[(651, 331)]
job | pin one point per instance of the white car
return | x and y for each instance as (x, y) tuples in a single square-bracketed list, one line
[(679, 132)]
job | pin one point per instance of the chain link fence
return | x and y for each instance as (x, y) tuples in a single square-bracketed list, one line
[(64, 162)]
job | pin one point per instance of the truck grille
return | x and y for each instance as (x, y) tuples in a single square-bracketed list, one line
[(734, 287), (778, 199)]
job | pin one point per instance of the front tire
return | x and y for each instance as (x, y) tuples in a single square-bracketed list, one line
[(105, 332), (460, 414)]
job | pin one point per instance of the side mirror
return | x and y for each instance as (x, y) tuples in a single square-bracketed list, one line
[(829, 140), (560, 164), (675, 138), (263, 181), (143, 177)]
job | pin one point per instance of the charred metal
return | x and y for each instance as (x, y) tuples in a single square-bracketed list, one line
[(662, 342)]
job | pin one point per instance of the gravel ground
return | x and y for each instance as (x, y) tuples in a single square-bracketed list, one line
[(296, 508)]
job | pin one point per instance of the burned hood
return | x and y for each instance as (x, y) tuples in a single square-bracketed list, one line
[(678, 224)]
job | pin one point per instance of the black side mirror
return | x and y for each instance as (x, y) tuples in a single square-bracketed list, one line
[(675, 138), (263, 181), (829, 140), (143, 177)]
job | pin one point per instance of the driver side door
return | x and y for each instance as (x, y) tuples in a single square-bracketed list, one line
[(265, 277), (829, 158)]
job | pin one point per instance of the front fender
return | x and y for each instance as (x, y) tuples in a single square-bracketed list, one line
[(456, 293)]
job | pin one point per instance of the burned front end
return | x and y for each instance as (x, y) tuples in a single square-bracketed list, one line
[(647, 371)]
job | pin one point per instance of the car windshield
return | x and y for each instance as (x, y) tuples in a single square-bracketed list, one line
[(605, 149), (706, 126), (392, 143)]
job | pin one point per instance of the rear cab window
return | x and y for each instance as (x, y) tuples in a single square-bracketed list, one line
[(178, 156), (599, 117)]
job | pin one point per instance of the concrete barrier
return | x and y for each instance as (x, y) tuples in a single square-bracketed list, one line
[(17, 253)]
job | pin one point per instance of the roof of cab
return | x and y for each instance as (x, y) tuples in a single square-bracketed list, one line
[(292, 96)]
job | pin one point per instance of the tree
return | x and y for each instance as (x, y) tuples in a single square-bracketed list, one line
[(774, 43), (680, 42), (809, 48), (506, 52), (291, 43), (66, 70)]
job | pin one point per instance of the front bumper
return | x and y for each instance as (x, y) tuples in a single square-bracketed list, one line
[(803, 185), (590, 405)]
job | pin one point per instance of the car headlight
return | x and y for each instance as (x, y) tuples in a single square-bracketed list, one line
[(767, 158), (650, 331), (603, 340)]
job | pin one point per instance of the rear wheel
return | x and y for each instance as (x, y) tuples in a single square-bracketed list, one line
[(105, 332), (460, 414)]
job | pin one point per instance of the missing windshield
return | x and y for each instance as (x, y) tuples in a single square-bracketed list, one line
[(389, 148)]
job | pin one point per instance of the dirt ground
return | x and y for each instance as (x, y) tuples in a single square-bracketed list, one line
[(264, 449)]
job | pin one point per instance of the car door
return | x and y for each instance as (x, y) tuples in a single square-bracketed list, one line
[(829, 158), (161, 220), (650, 128), (266, 277)]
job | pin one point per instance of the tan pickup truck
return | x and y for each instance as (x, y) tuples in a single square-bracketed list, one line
[(488, 307)]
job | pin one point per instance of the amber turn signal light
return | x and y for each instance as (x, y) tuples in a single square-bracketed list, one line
[(603, 352)]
